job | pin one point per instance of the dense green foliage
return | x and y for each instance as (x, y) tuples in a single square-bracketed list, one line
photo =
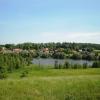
[(10, 62), (85, 46)]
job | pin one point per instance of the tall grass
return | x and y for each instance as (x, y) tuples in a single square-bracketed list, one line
[(52, 84)]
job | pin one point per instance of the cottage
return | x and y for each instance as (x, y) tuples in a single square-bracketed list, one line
[(80, 50), (17, 50), (2, 49), (46, 50)]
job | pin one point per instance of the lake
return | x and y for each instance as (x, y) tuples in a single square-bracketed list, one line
[(50, 61)]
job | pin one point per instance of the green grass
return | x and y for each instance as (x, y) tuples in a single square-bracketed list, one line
[(52, 84)]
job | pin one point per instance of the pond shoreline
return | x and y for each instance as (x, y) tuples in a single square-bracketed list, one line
[(51, 61)]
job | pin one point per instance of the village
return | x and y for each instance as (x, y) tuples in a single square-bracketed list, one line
[(59, 53)]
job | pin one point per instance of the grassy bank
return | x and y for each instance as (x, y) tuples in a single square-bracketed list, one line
[(52, 84)]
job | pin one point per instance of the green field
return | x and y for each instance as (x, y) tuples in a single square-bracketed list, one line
[(52, 84)]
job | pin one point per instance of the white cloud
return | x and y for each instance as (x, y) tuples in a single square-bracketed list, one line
[(70, 37), (55, 37)]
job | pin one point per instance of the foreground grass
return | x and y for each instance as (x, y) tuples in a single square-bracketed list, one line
[(52, 84)]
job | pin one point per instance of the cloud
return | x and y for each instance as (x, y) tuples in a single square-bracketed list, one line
[(83, 37), (70, 37)]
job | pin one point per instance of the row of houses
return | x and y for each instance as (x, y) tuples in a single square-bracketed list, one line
[(18, 50), (43, 50)]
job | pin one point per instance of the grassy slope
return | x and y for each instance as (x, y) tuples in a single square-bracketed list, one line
[(51, 84)]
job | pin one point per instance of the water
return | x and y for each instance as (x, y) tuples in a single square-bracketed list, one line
[(50, 61)]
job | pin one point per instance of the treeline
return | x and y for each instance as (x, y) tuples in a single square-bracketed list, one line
[(66, 45), (10, 62), (64, 50), (86, 56)]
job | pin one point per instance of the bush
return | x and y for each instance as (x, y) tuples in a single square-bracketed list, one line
[(85, 65), (59, 55), (75, 66), (91, 56), (60, 66), (24, 74), (3, 72), (76, 56), (45, 55), (66, 65), (56, 66), (96, 64), (3, 75)]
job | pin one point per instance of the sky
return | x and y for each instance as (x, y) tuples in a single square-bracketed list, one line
[(49, 21)]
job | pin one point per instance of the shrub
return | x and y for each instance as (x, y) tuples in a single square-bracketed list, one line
[(3, 72), (60, 66), (66, 65), (3, 75), (45, 55), (56, 66), (75, 66), (96, 64), (59, 55), (24, 74), (85, 65), (76, 56)]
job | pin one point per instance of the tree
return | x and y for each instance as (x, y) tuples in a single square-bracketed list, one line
[(91, 56), (10, 46), (14, 61), (76, 56), (59, 55), (45, 55)]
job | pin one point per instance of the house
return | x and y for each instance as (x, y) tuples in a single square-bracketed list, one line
[(2, 49), (7, 51), (46, 50), (17, 50), (80, 50)]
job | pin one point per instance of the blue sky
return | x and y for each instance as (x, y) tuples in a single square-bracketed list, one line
[(49, 21)]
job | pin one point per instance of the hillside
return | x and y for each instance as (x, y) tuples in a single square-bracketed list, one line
[(52, 84)]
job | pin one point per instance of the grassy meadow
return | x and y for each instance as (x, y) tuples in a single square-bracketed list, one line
[(51, 84)]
